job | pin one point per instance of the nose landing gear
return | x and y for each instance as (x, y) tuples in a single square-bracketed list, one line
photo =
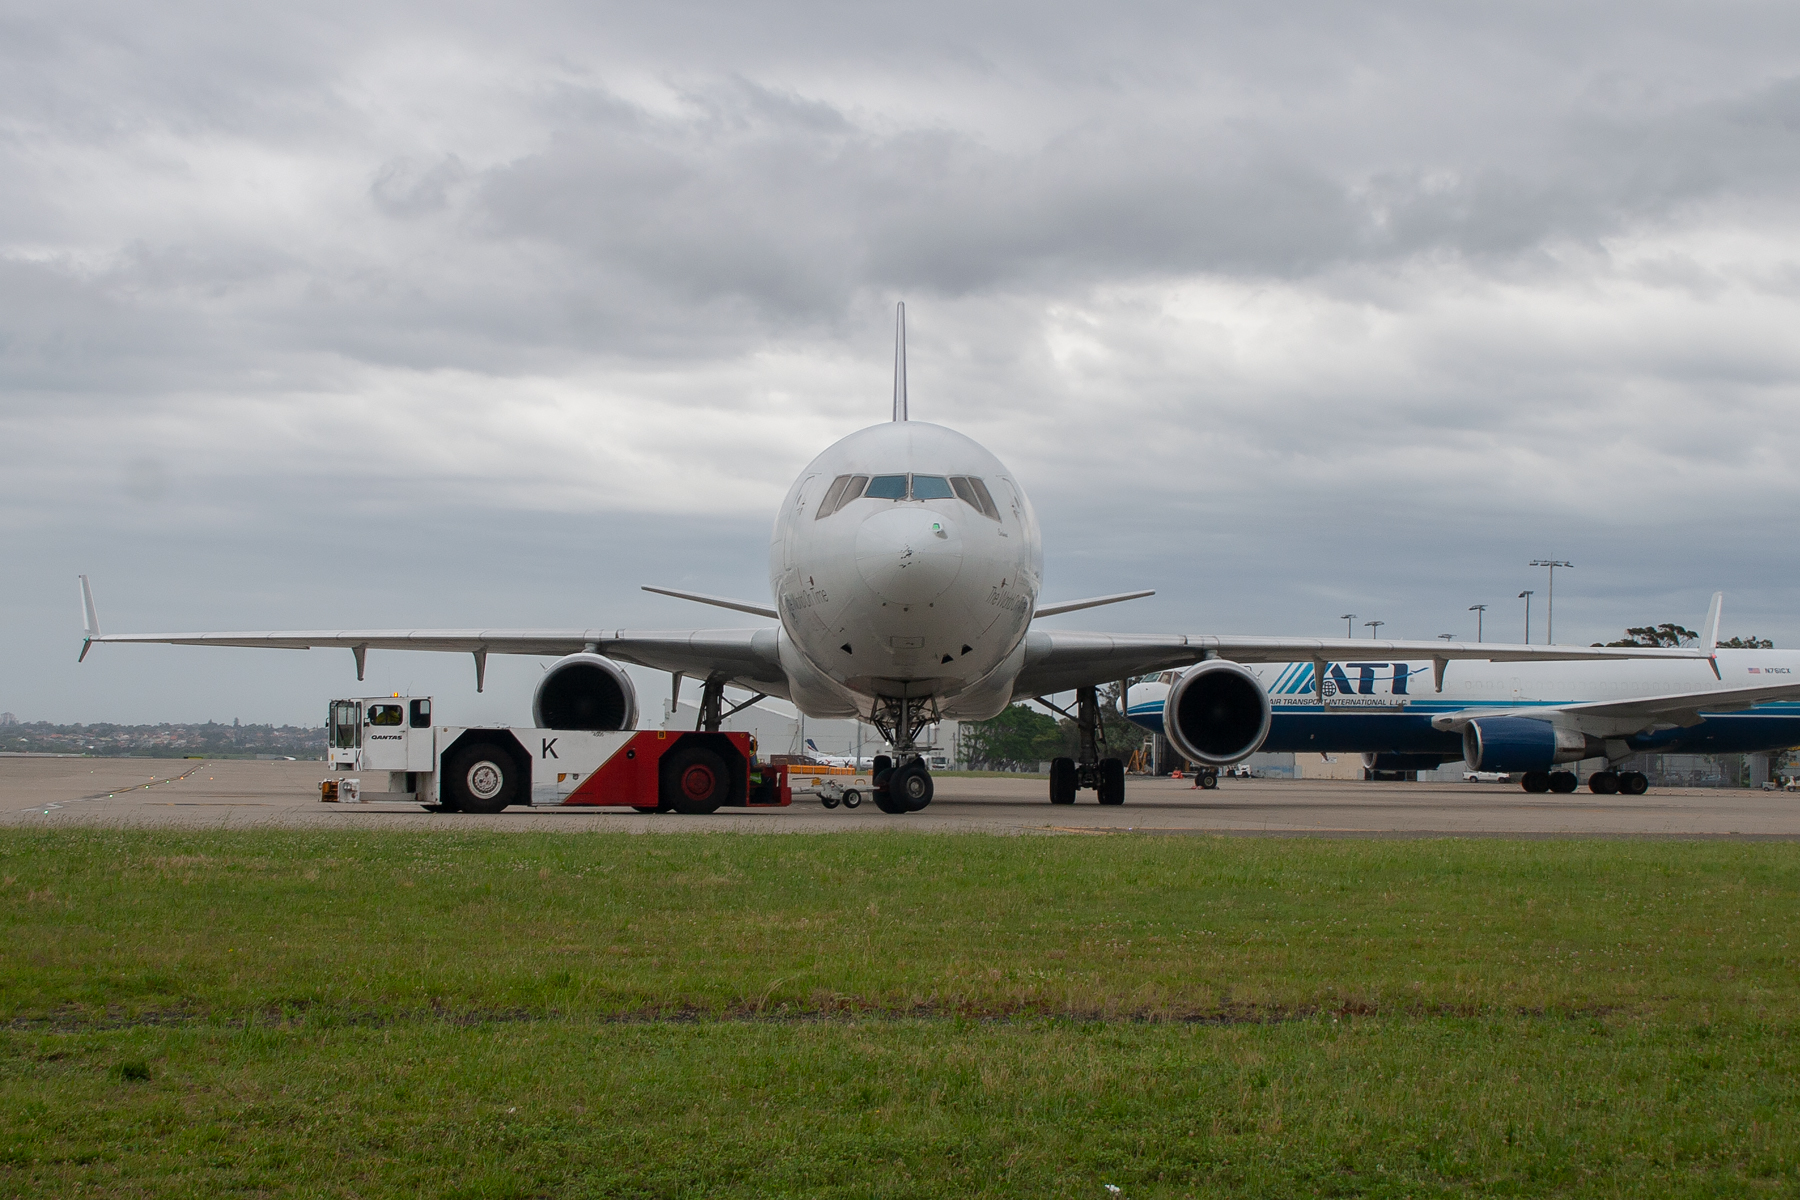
[(906, 788)]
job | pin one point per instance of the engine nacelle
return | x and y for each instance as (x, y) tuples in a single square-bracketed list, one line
[(585, 691), (1216, 713), (1520, 744)]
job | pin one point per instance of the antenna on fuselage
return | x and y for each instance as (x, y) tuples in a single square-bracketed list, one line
[(900, 362)]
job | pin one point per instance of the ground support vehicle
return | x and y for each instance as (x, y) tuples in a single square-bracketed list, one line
[(386, 749)]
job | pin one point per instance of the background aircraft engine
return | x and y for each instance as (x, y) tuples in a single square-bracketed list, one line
[(585, 691), (1519, 744), (1216, 713)]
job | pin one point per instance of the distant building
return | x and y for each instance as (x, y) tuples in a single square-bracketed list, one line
[(8, 719)]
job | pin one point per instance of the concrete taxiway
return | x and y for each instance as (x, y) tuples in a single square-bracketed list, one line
[(149, 793)]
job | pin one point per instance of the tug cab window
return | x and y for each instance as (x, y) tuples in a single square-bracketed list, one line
[(421, 714), (386, 714), (344, 730), (887, 487)]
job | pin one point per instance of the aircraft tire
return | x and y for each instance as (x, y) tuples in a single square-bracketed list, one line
[(1062, 781), (910, 787), (1112, 781), (1535, 781), (694, 781), (1633, 783), (1603, 783), (1208, 780), (1562, 782), (879, 765), (480, 777), (879, 781)]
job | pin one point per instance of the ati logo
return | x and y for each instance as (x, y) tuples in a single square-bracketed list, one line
[(1345, 679)]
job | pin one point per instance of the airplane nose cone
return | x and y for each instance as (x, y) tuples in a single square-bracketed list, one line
[(908, 554)]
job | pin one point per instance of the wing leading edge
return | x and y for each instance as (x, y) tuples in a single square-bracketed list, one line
[(750, 657), (1057, 660)]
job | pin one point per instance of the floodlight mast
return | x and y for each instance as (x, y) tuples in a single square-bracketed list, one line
[(1349, 627), (1526, 597), (1550, 618), (1373, 626), (1478, 610)]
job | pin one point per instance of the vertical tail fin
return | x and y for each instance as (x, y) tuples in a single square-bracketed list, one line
[(1709, 632), (900, 361)]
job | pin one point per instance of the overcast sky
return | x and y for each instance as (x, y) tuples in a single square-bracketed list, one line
[(375, 315)]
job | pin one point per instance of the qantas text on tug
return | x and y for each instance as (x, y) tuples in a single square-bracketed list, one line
[(906, 566)]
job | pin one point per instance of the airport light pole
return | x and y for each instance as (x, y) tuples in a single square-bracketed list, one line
[(1478, 609), (1550, 615), (1349, 628), (1526, 597), (1373, 626), (1448, 637)]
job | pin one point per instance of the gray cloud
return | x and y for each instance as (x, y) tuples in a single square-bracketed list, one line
[(1284, 310)]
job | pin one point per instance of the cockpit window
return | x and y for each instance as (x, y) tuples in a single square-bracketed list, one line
[(834, 495), (931, 487), (887, 487), (842, 491), (967, 488), (974, 493)]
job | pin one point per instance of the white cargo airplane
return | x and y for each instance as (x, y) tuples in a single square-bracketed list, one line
[(906, 567), (1535, 720)]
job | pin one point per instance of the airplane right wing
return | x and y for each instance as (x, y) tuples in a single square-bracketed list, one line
[(749, 658)]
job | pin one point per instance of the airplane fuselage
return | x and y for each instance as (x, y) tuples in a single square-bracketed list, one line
[(905, 562), (1387, 707)]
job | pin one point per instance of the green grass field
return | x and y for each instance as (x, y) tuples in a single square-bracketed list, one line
[(280, 1013)]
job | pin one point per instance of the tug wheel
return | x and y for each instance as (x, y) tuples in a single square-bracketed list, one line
[(693, 781), (480, 777)]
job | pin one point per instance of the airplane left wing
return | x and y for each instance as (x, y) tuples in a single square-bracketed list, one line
[(1058, 660)]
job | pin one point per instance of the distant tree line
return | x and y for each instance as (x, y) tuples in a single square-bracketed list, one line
[(1671, 634), (166, 740), (1024, 736)]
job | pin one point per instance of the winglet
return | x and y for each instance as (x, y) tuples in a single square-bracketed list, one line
[(1067, 606), (900, 361), (1709, 633), (90, 622), (743, 606)]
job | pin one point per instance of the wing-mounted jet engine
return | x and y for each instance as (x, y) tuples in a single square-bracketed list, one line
[(1531, 747), (585, 691), (1216, 713)]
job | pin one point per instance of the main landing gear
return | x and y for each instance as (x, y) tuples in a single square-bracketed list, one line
[(1611, 783), (1105, 775), (1601, 783), (906, 788)]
